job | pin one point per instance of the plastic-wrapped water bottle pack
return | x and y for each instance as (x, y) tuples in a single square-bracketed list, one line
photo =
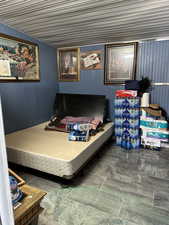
[(127, 122)]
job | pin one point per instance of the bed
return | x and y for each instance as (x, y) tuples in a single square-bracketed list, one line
[(51, 152)]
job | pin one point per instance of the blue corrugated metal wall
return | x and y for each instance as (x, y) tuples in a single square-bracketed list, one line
[(153, 61)]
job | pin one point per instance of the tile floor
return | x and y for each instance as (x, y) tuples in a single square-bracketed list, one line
[(115, 188)]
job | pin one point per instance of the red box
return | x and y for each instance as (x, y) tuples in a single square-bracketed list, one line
[(126, 93)]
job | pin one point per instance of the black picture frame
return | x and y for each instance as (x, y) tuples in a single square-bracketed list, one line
[(120, 62)]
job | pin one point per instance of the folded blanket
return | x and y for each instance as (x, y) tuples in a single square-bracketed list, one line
[(69, 119)]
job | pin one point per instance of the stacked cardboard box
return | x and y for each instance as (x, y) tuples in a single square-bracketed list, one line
[(154, 127)]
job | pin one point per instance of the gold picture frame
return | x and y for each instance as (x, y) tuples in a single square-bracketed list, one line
[(120, 62), (69, 64), (19, 59)]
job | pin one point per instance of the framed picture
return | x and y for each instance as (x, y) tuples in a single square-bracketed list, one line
[(91, 60), (69, 64), (19, 59), (120, 62)]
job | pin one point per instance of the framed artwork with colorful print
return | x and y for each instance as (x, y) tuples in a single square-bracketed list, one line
[(19, 59)]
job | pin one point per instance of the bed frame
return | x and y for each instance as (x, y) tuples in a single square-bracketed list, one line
[(51, 152)]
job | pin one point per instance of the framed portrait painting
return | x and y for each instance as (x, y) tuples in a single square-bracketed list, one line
[(19, 59), (120, 62), (69, 64)]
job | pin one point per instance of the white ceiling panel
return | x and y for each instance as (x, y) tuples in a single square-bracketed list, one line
[(64, 23)]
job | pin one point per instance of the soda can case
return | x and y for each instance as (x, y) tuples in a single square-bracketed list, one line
[(78, 135), (132, 103), (78, 127), (127, 122)]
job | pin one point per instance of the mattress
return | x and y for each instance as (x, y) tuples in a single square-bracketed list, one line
[(50, 151)]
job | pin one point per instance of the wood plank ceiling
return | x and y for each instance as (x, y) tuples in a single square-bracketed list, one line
[(80, 22)]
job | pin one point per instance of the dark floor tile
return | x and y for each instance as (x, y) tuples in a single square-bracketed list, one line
[(123, 174), (164, 154), (109, 203), (84, 194), (63, 211), (127, 196), (27, 177), (161, 200), (154, 170), (154, 184), (144, 215), (154, 164), (125, 222), (90, 178), (46, 185), (132, 187)]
